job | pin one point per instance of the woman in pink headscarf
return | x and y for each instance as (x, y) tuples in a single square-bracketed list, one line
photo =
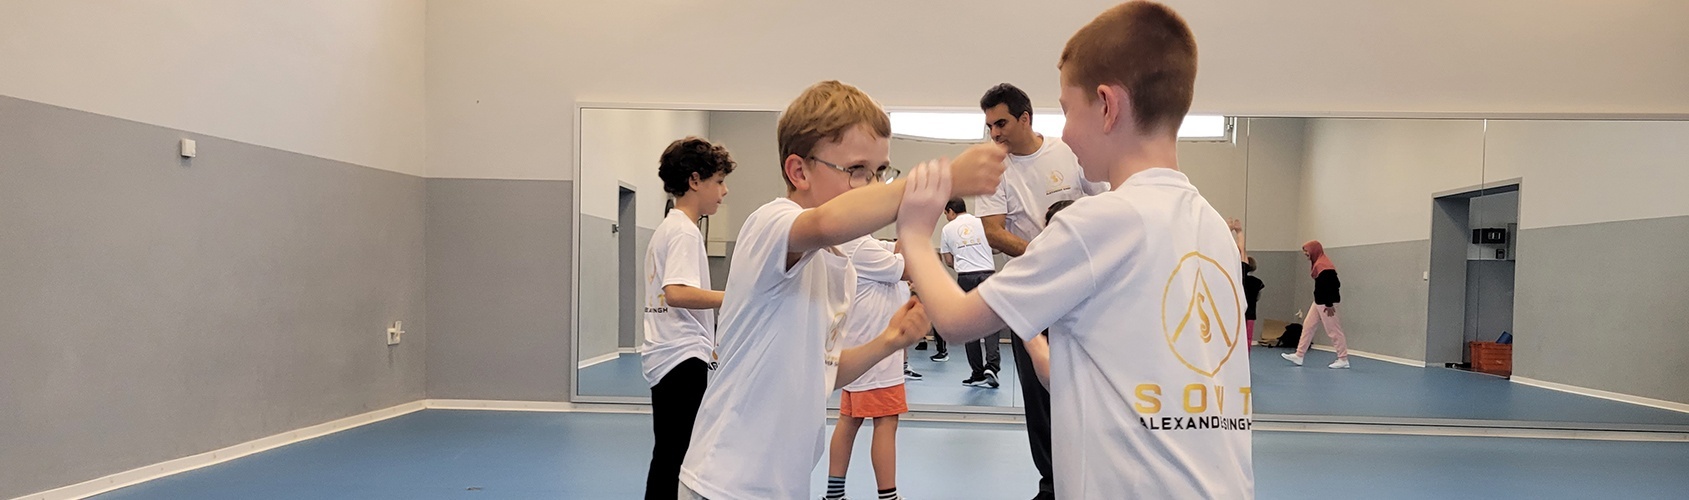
[(1324, 310)]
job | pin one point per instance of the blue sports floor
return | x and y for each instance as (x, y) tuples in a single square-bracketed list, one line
[(1370, 388), (444, 454)]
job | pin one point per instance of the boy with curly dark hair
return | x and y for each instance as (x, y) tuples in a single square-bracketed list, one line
[(679, 347)]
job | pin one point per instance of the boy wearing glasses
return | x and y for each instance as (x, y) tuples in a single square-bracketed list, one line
[(762, 424)]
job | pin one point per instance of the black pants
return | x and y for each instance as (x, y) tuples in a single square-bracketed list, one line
[(987, 353), (1037, 417), (674, 406)]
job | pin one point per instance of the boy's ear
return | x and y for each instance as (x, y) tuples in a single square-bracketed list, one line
[(1114, 102), (793, 170), (694, 182)]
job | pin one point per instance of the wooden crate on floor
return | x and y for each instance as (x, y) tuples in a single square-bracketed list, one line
[(1492, 358)]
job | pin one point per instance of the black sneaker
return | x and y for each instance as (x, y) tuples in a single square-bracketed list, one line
[(991, 379), (974, 381), (911, 375), (921, 346), (941, 357)]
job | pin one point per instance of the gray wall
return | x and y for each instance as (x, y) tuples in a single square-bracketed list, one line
[(1384, 296), (498, 289), (1602, 306), (153, 308)]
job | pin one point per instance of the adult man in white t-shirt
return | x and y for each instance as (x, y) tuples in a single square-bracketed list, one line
[(1138, 287), (963, 248), (1040, 171)]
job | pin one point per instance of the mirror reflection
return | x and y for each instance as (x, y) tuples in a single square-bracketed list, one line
[(1474, 266), (1473, 261), (623, 201)]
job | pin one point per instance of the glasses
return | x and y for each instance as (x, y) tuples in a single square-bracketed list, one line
[(862, 175)]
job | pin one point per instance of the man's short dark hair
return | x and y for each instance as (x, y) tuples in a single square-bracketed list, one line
[(1019, 104)]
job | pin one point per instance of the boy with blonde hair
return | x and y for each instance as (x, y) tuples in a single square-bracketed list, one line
[(761, 428)]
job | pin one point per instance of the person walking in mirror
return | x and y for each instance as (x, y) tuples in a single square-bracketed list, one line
[(1324, 309)]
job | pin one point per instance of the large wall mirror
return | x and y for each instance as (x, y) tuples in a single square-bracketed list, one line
[(622, 201), (1510, 273)]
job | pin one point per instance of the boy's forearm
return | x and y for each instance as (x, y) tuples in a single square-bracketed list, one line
[(687, 297), (855, 361), (849, 216)]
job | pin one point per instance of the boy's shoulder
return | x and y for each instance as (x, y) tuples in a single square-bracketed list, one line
[(773, 209)]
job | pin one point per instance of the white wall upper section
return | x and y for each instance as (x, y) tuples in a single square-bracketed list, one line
[(1585, 172), (1275, 182), (330, 78), (1371, 181), (503, 75), (623, 146), (1219, 172)]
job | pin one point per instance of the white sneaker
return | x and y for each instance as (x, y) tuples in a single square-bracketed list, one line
[(1293, 358), (1341, 363)]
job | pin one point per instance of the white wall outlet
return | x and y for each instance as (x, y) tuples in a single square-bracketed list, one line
[(189, 150), (395, 333)]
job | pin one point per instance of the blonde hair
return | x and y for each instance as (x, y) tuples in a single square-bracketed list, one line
[(826, 110)]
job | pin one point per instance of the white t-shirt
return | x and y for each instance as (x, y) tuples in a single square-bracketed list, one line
[(675, 257), (1149, 371), (964, 240), (880, 290), (1032, 183), (761, 427)]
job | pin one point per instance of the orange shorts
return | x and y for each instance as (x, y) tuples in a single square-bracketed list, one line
[(882, 402)]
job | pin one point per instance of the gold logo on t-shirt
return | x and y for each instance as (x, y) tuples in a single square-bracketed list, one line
[(657, 303), (1057, 183), (1192, 314)]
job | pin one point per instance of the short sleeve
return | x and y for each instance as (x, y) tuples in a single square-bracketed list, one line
[(681, 259), (995, 203), (767, 238)]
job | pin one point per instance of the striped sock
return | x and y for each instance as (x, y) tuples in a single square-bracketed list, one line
[(890, 494), (835, 488)]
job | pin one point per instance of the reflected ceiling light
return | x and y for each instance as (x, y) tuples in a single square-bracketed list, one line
[(967, 126)]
